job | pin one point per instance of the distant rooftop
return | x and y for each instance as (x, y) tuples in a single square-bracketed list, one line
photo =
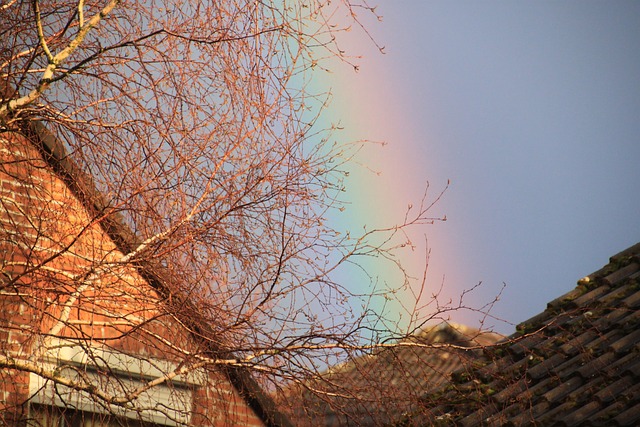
[(379, 388)]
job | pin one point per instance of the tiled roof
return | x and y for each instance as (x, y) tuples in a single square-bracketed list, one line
[(576, 363), (379, 388)]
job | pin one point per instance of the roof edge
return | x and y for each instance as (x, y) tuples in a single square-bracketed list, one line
[(607, 273)]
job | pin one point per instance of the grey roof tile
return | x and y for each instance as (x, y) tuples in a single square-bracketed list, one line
[(591, 295), (621, 274), (619, 366), (612, 317), (632, 301), (564, 301), (594, 367), (604, 417), (555, 413), (576, 418), (546, 367), (510, 391), (626, 342), (563, 390), (629, 417), (525, 345), (613, 390), (528, 415), (577, 344)]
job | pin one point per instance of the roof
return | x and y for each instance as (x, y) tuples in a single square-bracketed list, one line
[(576, 363), (82, 186), (377, 388)]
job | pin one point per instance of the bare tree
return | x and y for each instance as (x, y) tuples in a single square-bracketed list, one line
[(208, 175)]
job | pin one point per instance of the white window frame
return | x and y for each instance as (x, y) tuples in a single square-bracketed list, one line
[(114, 372)]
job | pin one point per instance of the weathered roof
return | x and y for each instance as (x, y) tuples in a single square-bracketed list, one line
[(378, 388), (576, 363), (82, 186)]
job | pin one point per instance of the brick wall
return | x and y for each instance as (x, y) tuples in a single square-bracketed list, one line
[(60, 278)]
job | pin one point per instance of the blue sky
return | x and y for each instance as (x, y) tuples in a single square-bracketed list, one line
[(531, 109)]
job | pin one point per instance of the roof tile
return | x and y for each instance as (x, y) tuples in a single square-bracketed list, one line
[(594, 367), (604, 417), (566, 300), (529, 415), (556, 412), (562, 391), (632, 301), (611, 392), (621, 274), (546, 367), (619, 367), (591, 296), (576, 418), (577, 344), (508, 393), (626, 342), (629, 417)]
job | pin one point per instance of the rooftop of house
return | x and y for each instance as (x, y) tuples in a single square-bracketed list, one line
[(377, 388), (576, 363)]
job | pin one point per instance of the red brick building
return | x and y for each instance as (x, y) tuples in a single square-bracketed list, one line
[(86, 336)]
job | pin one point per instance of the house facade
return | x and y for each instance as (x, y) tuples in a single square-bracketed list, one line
[(88, 337)]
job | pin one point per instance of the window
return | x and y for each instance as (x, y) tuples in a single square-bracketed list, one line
[(113, 373), (53, 416)]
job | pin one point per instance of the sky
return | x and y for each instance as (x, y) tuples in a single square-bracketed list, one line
[(530, 109)]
